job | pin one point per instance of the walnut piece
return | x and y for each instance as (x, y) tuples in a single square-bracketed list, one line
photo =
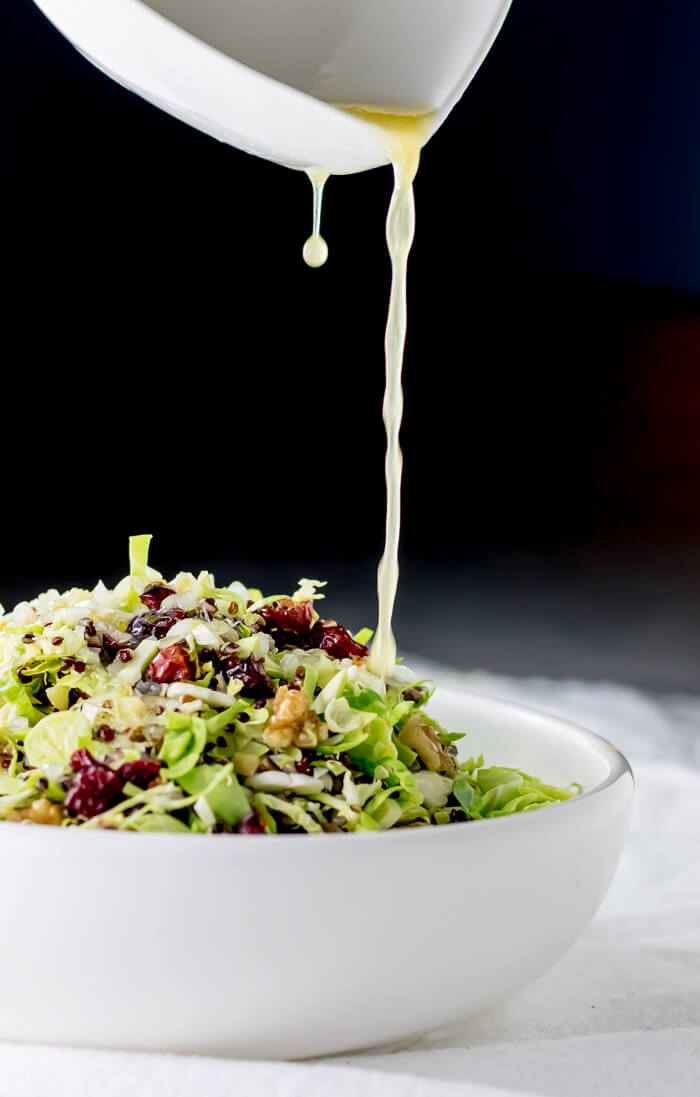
[(424, 740), (41, 811), (292, 722)]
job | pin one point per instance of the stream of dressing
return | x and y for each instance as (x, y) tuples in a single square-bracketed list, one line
[(316, 249), (405, 135)]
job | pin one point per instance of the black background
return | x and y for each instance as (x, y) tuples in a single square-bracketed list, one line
[(171, 365)]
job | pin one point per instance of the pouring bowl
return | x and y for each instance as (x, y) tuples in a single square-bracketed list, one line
[(263, 75)]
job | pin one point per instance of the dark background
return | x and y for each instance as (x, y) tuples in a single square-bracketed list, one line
[(171, 365)]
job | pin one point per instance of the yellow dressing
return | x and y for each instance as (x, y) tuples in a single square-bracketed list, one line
[(315, 251), (405, 135)]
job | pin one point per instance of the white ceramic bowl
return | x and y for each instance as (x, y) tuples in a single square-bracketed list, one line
[(294, 946), (259, 74)]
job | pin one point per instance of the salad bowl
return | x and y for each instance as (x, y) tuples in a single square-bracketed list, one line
[(289, 946)]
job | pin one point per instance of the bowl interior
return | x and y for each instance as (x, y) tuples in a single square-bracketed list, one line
[(509, 735)]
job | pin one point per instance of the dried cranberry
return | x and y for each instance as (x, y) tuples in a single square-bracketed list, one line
[(155, 594), (95, 787), (251, 672), (251, 824), (125, 655), (289, 623), (338, 642), (105, 733), (172, 664), (140, 626), (141, 772), (295, 617), (112, 646), (82, 758), (157, 624), (71, 664)]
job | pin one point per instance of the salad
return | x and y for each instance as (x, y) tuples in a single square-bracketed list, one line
[(187, 707)]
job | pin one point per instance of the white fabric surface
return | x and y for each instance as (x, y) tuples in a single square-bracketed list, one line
[(619, 1015)]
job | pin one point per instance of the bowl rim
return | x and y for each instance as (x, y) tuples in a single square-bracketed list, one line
[(619, 769)]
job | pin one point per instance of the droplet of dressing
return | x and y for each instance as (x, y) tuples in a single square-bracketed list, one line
[(315, 250)]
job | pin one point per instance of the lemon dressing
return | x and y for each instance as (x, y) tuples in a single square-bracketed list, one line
[(405, 135), (315, 251)]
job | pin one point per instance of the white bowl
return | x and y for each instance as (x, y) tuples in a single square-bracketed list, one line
[(260, 74), (294, 946)]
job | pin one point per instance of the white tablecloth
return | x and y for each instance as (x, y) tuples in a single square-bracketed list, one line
[(618, 1016)]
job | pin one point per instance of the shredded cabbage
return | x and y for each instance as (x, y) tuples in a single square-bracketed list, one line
[(184, 707)]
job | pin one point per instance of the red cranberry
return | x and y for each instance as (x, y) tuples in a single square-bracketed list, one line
[(155, 594), (338, 642), (251, 672), (112, 646), (81, 759), (251, 824), (295, 617), (105, 733), (141, 772), (156, 624), (95, 787), (172, 664)]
